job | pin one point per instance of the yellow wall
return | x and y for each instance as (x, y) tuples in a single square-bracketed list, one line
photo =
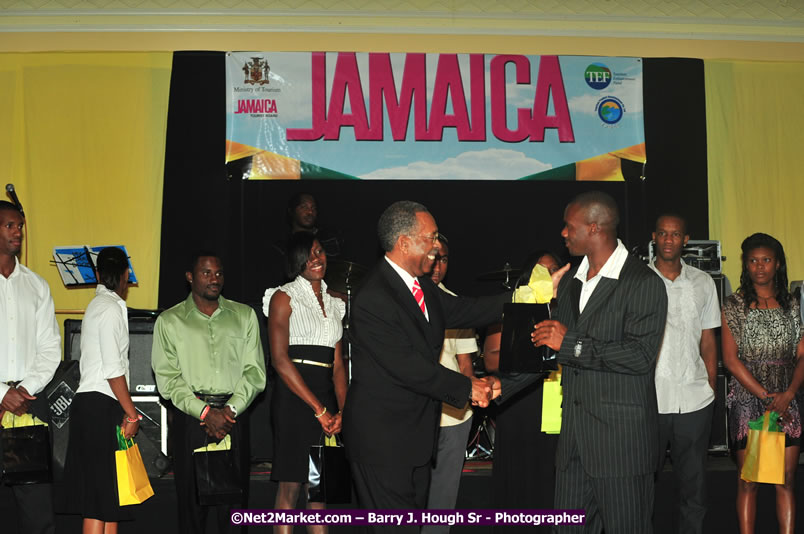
[(82, 138), (754, 114)]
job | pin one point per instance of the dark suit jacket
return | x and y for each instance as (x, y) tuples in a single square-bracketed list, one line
[(609, 407), (394, 400)]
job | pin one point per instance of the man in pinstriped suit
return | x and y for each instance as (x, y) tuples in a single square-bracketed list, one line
[(607, 329)]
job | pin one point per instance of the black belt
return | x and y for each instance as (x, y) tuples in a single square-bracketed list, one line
[(13, 383), (215, 400)]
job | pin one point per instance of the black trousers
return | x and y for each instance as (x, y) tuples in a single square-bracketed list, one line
[(35, 501), (34, 509), (384, 487), (688, 437), (186, 436), (614, 505)]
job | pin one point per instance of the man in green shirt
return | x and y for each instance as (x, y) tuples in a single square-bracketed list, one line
[(208, 361)]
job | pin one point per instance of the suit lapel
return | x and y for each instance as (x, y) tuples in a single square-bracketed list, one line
[(600, 295), (575, 297), (404, 297)]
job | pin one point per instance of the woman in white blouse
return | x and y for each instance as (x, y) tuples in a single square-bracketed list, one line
[(304, 328), (102, 401)]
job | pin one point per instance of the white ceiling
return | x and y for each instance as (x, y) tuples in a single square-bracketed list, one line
[(763, 20)]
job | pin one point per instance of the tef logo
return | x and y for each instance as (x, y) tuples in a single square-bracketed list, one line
[(597, 76)]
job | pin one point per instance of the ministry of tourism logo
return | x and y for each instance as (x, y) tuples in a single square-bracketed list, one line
[(597, 76), (610, 110), (256, 71)]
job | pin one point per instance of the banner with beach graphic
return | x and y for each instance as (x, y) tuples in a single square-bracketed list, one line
[(383, 116)]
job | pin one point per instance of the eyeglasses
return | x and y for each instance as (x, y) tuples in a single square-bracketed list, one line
[(432, 238)]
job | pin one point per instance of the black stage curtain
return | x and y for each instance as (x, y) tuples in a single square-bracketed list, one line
[(488, 223)]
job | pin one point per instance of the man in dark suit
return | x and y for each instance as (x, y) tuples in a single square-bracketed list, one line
[(607, 330), (394, 400)]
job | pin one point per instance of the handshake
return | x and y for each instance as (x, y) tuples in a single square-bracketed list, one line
[(484, 390)]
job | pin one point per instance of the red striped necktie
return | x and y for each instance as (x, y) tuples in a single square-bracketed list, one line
[(418, 294)]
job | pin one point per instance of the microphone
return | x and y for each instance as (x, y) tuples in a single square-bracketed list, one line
[(13, 194)]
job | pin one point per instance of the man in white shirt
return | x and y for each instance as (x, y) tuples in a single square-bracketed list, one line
[(459, 344), (686, 369), (30, 352)]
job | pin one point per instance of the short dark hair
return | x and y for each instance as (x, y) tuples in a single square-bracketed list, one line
[(398, 219), (295, 201), (5, 205), (600, 208), (297, 253), (197, 255), (674, 215), (111, 263)]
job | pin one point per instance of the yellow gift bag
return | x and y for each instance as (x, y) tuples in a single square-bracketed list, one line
[(552, 395), (133, 486), (764, 452)]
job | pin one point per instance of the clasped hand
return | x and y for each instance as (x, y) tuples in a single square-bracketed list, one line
[(218, 422), (331, 424), (484, 390), (780, 402)]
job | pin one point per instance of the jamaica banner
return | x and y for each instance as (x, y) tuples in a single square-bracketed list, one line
[(382, 116)]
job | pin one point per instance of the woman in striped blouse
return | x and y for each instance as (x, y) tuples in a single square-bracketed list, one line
[(304, 328)]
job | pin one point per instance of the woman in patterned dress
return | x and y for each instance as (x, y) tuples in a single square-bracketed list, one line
[(305, 328), (762, 349)]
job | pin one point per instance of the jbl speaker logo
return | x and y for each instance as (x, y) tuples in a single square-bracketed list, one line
[(60, 400)]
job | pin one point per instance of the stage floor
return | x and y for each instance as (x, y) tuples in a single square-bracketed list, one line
[(158, 514)]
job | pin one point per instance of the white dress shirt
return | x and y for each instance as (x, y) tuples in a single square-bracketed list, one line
[(682, 383), (611, 269), (455, 342), (104, 342), (408, 279), (30, 344)]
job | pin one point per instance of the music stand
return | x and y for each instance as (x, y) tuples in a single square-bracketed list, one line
[(76, 264)]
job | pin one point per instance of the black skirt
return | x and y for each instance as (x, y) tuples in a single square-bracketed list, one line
[(294, 424), (90, 475)]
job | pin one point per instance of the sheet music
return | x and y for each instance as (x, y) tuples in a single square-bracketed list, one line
[(76, 264)]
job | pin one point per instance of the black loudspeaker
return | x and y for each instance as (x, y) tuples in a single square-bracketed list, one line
[(149, 438), (722, 286), (140, 339), (59, 394), (719, 437)]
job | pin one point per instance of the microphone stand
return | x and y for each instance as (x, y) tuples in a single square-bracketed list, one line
[(347, 345)]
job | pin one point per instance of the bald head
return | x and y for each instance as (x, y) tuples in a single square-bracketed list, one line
[(598, 208)]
